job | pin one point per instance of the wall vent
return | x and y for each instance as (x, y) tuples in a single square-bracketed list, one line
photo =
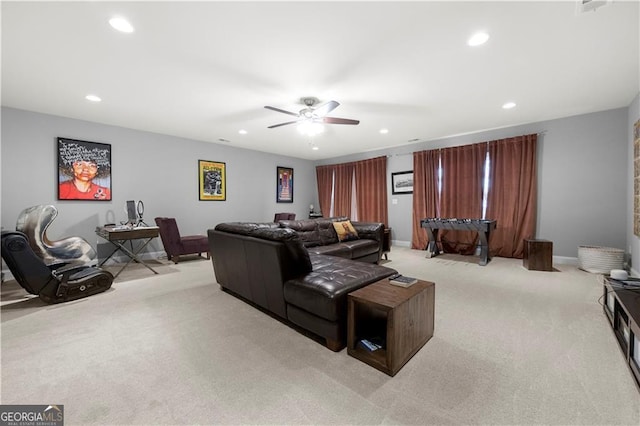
[(589, 5)]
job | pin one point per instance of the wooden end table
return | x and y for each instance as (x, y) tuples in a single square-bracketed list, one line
[(401, 318), (538, 255)]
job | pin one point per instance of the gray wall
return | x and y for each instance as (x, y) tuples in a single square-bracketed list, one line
[(582, 176), (161, 170), (633, 241)]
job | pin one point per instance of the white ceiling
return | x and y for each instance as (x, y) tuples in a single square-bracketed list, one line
[(205, 70)]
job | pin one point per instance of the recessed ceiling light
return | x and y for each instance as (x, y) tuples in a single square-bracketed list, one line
[(477, 39), (509, 105), (242, 131), (93, 98), (121, 24), (384, 131), (315, 148)]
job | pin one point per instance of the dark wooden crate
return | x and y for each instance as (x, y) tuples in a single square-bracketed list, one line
[(538, 255)]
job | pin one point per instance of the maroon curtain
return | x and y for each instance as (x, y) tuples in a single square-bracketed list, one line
[(343, 189), (462, 182), (324, 178), (371, 190), (425, 194), (512, 199)]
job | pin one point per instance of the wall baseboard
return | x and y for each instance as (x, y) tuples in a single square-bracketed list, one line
[(563, 260)]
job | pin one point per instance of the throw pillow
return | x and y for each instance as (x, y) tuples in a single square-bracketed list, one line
[(345, 231)]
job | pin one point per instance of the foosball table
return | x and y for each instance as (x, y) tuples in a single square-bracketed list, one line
[(482, 226)]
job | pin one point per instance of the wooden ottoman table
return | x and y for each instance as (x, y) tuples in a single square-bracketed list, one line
[(399, 319)]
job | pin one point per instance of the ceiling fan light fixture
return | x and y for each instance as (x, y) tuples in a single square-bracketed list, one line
[(310, 128), (310, 119)]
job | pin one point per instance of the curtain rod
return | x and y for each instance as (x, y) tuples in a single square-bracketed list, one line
[(540, 133)]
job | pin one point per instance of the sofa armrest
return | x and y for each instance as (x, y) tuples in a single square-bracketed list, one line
[(370, 230)]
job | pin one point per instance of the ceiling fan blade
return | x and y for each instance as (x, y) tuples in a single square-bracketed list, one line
[(336, 120), (295, 114), (325, 108), (282, 124)]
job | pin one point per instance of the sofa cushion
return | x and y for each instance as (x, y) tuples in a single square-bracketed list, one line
[(243, 228), (323, 291), (361, 248), (326, 231), (336, 249), (345, 231), (306, 229)]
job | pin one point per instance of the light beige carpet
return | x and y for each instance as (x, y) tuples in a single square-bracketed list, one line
[(511, 346)]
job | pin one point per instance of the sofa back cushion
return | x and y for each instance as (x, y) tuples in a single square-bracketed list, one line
[(244, 228), (307, 231), (297, 261), (315, 232), (326, 231)]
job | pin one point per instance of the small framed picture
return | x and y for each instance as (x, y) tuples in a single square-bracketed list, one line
[(213, 181), (402, 182), (284, 185), (84, 170)]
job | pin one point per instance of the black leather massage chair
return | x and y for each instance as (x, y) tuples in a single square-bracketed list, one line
[(56, 271)]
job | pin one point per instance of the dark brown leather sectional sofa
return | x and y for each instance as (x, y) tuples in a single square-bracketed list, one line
[(283, 269)]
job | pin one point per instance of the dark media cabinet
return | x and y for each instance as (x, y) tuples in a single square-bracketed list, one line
[(622, 309)]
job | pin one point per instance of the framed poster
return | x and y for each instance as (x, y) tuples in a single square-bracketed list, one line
[(84, 170), (284, 185), (213, 181), (402, 182)]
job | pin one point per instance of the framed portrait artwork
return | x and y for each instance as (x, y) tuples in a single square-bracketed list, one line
[(213, 181), (402, 182), (284, 185), (84, 170)]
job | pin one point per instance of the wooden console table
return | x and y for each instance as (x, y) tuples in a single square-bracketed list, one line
[(401, 318), (118, 238)]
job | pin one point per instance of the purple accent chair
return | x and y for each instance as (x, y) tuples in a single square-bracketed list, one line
[(177, 246), (284, 216)]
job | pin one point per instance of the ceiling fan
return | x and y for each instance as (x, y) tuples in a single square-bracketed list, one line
[(310, 114)]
